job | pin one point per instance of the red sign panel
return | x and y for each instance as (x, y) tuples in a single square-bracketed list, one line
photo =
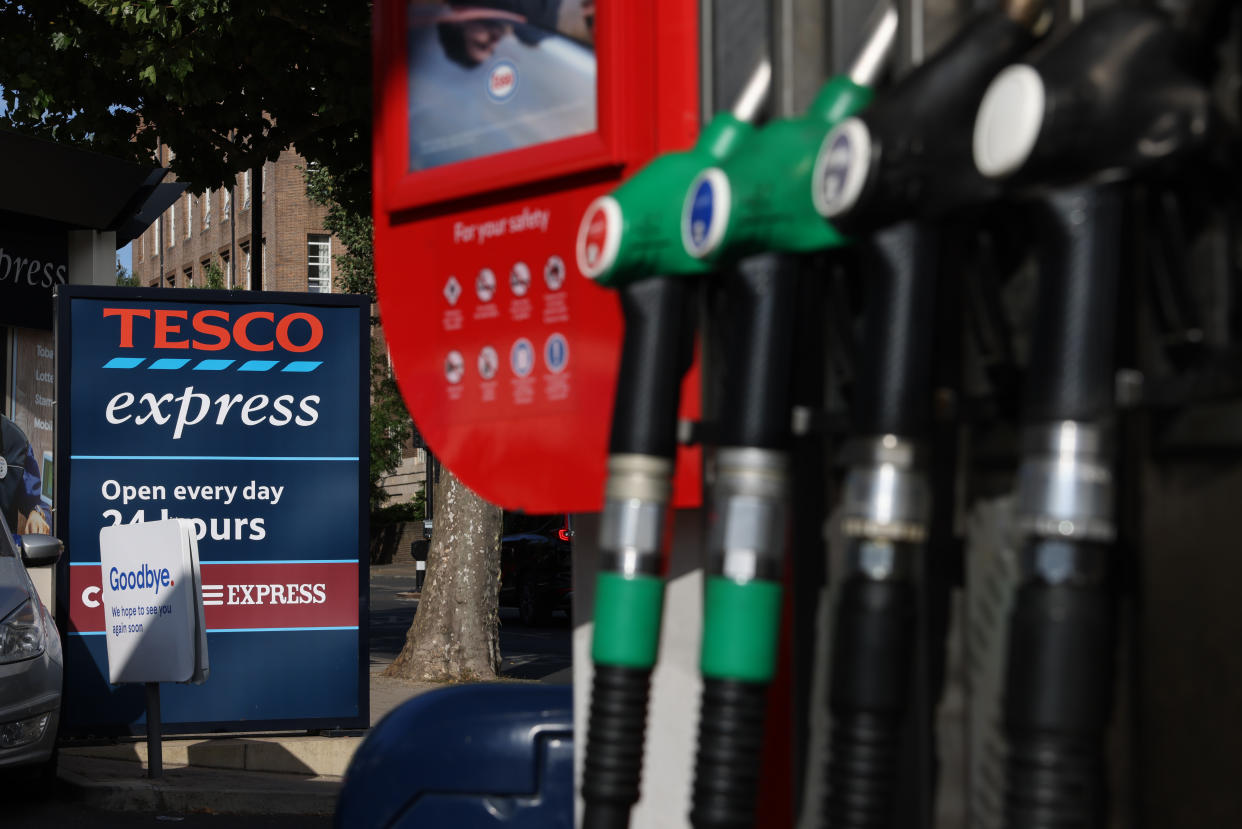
[(245, 596), (506, 354)]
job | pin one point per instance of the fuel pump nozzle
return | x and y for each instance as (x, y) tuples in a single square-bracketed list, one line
[(755, 201), (889, 174), (1105, 104), (629, 240), (632, 232), (746, 209), (908, 155)]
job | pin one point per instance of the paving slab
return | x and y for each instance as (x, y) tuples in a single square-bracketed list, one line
[(120, 785)]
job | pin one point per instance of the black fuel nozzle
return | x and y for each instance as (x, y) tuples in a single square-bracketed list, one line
[(1108, 102), (890, 173), (909, 154), (1110, 99)]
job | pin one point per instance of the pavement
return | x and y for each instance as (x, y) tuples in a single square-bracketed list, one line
[(254, 774)]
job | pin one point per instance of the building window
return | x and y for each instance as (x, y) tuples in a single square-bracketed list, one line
[(188, 273), (206, 209), (246, 190), (172, 225), (319, 263), (263, 184), (245, 249), (228, 269), (227, 205), (189, 216)]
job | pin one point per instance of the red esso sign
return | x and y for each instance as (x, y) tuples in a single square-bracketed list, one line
[(502, 81)]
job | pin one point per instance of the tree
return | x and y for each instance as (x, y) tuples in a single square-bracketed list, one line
[(390, 423), (124, 278), (455, 633), (229, 85), (355, 274), (226, 85), (213, 276)]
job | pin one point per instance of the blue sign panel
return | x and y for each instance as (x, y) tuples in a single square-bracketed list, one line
[(247, 415)]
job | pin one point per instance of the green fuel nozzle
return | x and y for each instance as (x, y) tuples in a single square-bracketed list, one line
[(629, 240), (633, 232), (757, 199)]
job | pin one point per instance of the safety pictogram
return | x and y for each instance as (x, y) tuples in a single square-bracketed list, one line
[(556, 353), (485, 285), (454, 367), (522, 357), (554, 273), (519, 279), (489, 362), (452, 290)]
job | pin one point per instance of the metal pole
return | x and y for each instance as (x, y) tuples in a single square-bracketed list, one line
[(232, 229), (159, 241), (256, 228), (155, 747)]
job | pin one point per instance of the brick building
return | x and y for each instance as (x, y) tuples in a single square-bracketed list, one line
[(215, 228), (298, 253)]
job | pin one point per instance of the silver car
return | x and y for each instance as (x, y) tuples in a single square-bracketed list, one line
[(31, 661)]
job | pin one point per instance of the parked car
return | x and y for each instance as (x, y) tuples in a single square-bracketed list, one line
[(31, 661), (536, 567)]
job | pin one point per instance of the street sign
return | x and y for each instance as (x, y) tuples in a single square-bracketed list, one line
[(246, 415)]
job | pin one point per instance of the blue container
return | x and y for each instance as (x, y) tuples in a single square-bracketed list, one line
[(494, 755)]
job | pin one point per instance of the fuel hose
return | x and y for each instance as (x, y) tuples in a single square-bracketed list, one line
[(889, 174), (746, 541), (1059, 674), (885, 516), (629, 591), (752, 210), (1107, 103)]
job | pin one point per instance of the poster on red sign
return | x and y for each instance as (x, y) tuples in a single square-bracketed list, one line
[(244, 415), (497, 75)]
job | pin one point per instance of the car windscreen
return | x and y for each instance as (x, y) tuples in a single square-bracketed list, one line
[(7, 547)]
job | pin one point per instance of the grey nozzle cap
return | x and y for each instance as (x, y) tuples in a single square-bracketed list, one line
[(1009, 120)]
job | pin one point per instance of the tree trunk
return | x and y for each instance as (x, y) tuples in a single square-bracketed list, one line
[(455, 636)]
